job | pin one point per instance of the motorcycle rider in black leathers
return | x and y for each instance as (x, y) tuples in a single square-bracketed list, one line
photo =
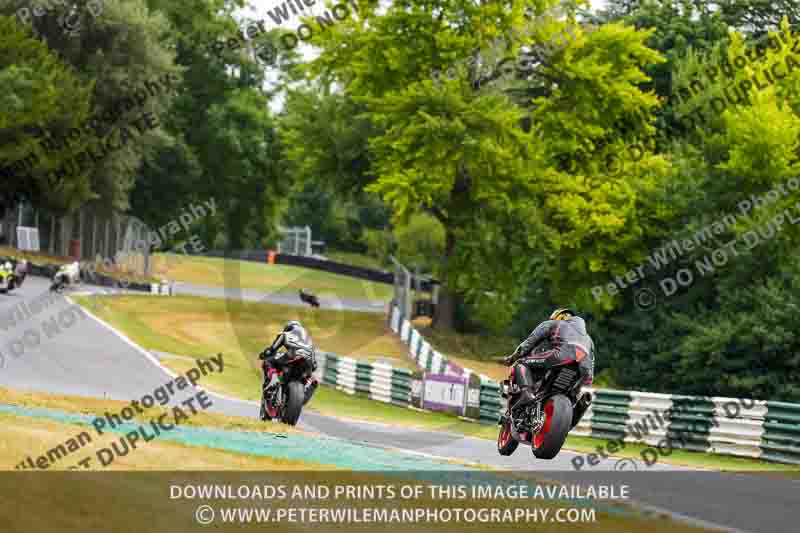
[(563, 334), (294, 336)]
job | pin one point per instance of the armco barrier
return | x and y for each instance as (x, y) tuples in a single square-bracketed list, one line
[(377, 381), (419, 349), (260, 256), (780, 440), (727, 426), (491, 403)]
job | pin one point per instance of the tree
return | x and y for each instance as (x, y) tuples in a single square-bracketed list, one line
[(117, 65), (225, 144), (420, 241), (40, 90)]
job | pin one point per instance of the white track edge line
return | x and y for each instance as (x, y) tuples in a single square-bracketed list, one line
[(150, 357)]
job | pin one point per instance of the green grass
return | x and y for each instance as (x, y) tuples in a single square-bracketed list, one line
[(201, 327), (218, 272), (479, 353), (38, 502)]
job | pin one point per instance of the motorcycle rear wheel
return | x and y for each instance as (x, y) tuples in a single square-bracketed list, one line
[(547, 442), (295, 394)]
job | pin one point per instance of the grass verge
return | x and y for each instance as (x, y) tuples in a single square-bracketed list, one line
[(24, 436), (51, 503), (218, 272), (476, 352), (200, 327)]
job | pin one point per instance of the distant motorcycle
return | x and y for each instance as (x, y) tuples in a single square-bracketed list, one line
[(8, 280), (295, 387), (66, 275), (309, 298), (543, 424)]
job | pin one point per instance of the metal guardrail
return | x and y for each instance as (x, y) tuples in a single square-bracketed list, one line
[(377, 381)]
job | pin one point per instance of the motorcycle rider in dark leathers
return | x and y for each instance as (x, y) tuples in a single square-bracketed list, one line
[(293, 337), (563, 334)]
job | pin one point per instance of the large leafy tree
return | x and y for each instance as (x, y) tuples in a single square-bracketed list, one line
[(456, 148), (117, 53), (39, 90), (729, 330), (225, 144)]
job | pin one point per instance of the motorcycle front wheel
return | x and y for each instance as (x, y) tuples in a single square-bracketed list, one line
[(295, 394), (506, 443)]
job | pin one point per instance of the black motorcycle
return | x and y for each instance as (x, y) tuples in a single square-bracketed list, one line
[(58, 284), (296, 385), (558, 405)]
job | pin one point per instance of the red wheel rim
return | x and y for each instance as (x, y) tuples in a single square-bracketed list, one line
[(538, 439), (505, 435)]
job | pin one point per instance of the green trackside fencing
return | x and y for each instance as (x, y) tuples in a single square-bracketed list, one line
[(729, 426), (491, 403), (781, 438), (376, 381)]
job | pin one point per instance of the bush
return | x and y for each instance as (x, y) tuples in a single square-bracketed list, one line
[(420, 242), (378, 243)]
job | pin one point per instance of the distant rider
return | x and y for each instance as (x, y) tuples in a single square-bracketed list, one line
[(21, 271), (564, 334), (293, 337)]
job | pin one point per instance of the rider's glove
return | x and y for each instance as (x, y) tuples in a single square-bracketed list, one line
[(509, 360)]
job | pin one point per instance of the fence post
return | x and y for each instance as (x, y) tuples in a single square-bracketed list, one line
[(404, 296), (106, 243), (52, 236)]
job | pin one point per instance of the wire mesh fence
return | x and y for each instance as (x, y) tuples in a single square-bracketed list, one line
[(92, 233), (295, 241)]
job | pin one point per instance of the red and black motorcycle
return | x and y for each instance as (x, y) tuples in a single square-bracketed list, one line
[(296, 385), (558, 406)]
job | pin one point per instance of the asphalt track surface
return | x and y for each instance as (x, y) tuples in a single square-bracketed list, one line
[(90, 359)]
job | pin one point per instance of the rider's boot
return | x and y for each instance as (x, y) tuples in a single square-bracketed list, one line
[(310, 388), (266, 389), (580, 408)]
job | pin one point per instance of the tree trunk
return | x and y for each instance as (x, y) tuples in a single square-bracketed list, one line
[(444, 317)]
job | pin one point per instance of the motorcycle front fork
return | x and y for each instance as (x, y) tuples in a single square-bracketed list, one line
[(536, 418)]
